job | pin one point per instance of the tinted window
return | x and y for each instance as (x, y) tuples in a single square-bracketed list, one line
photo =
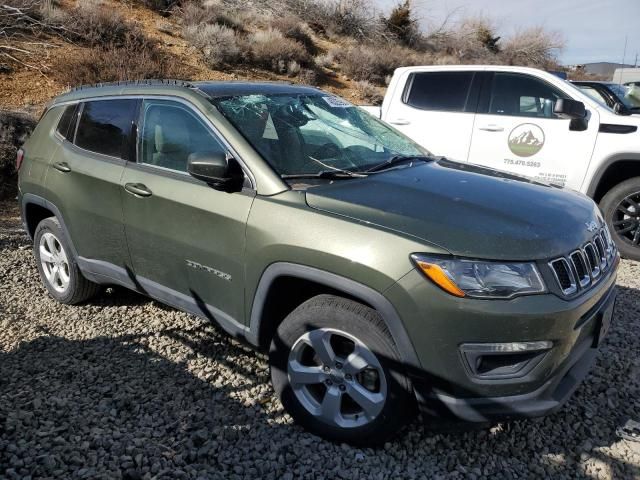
[(522, 95), (170, 133), (444, 91), (105, 127), (67, 123)]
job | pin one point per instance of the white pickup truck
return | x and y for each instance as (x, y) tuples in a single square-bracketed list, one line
[(528, 122)]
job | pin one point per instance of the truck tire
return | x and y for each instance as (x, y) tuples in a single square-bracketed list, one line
[(57, 266), (337, 372), (621, 210)]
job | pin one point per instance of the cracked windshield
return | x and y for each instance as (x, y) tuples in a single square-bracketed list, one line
[(317, 135)]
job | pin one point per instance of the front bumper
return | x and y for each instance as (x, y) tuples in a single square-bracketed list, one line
[(444, 387)]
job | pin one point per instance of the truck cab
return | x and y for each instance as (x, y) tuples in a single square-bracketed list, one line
[(529, 122)]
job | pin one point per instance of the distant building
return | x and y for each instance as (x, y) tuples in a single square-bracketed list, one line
[(601, 69), (624, 75)]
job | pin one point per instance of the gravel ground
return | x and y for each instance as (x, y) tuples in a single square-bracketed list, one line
[(124, 387)]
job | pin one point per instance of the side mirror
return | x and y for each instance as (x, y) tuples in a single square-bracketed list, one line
[(571, 109), (217, 169)]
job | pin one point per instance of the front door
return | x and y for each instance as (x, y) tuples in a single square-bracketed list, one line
[(516, 130), (186, 239), (436, 110)]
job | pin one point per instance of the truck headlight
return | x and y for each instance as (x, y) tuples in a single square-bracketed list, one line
[(480, 279)]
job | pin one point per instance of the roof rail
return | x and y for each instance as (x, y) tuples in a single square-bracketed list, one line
[(149, 82)]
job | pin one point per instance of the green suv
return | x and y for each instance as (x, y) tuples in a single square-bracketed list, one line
[(382, 281)]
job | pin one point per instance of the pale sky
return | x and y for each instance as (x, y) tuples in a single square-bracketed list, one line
[(593, 30)]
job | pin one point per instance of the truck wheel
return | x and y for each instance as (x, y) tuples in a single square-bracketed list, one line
[(337, 372), (621, 210), (57, 267)]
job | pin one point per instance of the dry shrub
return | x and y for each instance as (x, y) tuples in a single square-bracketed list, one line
[(163, 7), (325, 60), (270, 49), (403, 25), (98, 65), (293, 28), (14, 129), (309, 76), (369, 93), (195, 15), (534, 47), (96, 26), (374, 64), (218, 44)]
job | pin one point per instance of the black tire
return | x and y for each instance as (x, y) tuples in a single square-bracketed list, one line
[(366, 325), (609, 207), (79, 289)]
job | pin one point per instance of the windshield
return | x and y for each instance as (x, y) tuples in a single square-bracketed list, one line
[(313, 134), (629, 95)]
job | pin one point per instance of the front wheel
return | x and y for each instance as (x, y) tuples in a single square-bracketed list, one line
[(337, 372), (621, 210)]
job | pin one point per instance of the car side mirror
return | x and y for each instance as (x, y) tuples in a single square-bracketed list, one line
[(218, 169), (573, 110)]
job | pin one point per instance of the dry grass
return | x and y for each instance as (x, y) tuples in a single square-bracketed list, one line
[(294, 29), (369, 93)]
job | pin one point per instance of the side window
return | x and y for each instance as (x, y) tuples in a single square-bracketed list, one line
[(522, 95), (67, 124), (105, 127), (170, 133), (442, 91)]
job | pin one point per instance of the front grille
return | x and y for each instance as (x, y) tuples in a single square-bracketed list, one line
[(583, 267)]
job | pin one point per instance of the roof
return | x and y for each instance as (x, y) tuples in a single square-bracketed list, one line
[(209, 89), (230, 89)]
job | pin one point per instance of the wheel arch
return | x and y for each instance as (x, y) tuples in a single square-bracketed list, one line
[(613, 171), (264, 319), (35, 209)]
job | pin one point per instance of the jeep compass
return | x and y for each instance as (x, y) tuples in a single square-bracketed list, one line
[(381, 280)]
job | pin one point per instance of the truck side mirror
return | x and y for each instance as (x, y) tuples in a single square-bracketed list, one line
[(573, 110)]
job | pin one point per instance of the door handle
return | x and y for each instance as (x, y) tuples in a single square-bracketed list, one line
[(138, 189), (491, 128), (400, 121), (62, 167)]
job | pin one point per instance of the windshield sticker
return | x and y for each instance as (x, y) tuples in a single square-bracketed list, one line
[(526, 140), (336, 102)]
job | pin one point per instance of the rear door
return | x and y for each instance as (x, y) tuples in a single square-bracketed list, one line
[(83, 178), (437, 109), (186, 239), (516, 130)]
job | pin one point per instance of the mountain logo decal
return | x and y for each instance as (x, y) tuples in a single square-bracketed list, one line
[(526, 140)]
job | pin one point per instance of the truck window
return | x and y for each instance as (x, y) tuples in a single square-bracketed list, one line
[(442, 91), (105, 127), (522, 95)]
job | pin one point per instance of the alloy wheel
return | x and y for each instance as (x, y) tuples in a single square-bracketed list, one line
[(626, 219), (54, 261), (337, 378)]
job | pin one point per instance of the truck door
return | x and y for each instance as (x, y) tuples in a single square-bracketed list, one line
[(436, 110), (516, 130)]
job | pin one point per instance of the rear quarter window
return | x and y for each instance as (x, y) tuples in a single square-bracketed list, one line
[(105, 127), (442, 91), (67, 124)]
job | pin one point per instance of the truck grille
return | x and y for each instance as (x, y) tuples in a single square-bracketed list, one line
[(583, 267)]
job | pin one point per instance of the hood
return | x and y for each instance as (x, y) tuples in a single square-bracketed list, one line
[(468, 210)]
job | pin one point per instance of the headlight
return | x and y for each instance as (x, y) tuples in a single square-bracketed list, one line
[(481, 279)]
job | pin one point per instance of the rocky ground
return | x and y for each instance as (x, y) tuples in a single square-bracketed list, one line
[(124, 387)]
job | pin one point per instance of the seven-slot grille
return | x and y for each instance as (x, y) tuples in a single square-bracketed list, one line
[(582, 267)]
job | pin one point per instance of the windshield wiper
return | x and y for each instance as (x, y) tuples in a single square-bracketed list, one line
[(397, 160), (330, 174)]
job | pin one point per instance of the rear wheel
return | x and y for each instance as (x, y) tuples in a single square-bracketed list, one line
[(58, 269), (621, 210), (337, 372)]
